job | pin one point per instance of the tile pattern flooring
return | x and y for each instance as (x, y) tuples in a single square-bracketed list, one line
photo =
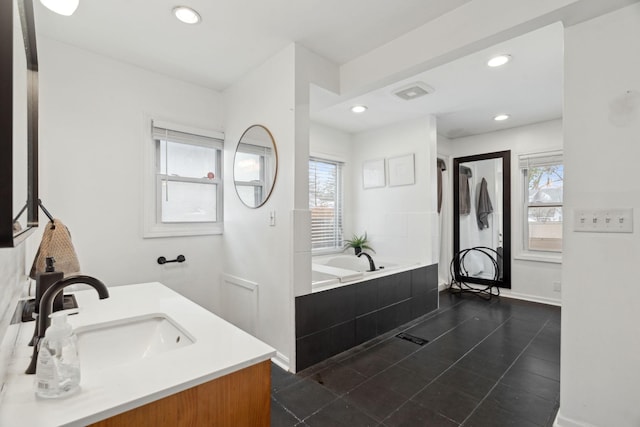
[(487, 363)]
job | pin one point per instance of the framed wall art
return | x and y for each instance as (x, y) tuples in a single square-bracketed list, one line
[(401, 170), (373, 174)]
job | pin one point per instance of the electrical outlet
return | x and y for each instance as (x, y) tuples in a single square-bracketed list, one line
[(557, 287)]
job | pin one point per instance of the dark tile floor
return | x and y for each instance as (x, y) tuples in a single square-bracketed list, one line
[(487, 363)]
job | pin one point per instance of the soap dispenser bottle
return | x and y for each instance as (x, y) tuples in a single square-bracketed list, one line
[(58, 365)]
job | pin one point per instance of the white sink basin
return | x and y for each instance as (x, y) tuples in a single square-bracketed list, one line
[(129, 340)]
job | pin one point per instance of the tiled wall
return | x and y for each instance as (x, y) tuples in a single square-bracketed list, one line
[(12, 282), (335, 320)]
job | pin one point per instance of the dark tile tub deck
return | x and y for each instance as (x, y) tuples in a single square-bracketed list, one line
[(486, 363)]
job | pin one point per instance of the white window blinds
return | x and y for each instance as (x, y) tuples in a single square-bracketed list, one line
[(167, 132), (325, 203), (527, 161)]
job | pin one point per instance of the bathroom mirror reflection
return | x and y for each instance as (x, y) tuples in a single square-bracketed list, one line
[(482, 219), (255, 166)]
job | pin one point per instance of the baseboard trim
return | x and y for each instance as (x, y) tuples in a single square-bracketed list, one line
[(281, 360), (508, 293), (562, 421), (531, 298)]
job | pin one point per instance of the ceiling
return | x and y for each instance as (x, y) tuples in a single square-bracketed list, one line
[(468, 93), (235, 36)]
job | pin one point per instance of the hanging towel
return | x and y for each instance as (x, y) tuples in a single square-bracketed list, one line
[(484, 205), (56, 243), (441, 167), (463, 190)]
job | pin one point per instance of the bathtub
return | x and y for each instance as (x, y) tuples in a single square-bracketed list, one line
[(329, 271), (352, 262), (319, 278)]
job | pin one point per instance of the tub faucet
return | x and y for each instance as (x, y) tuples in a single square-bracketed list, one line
[(372, 266), (46, 307)]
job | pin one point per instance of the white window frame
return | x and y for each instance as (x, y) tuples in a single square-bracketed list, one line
[(522, 205), (153, 225), (340, 204)]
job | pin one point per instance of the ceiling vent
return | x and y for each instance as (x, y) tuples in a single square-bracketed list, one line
[(413, 91)]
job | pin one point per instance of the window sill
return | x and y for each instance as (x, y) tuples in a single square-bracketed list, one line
[(553, 258), (182, 230)]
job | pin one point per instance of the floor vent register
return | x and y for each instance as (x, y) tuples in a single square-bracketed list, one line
[(412, 338)]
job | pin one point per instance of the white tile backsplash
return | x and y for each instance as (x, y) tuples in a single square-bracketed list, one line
[(12, 272)]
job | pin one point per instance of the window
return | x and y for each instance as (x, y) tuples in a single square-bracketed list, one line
[(325, 203), (543, 176), (186, 185)]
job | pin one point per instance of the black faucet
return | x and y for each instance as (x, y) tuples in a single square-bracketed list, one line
[(372, 266), (46, 307)]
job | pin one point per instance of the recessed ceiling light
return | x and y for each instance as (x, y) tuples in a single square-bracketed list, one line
[(62, 7), (186, 14), (359, 108), (499, 60), (501, 117)]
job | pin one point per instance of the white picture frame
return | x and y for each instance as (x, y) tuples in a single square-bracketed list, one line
[(373, 174), (401, 170)]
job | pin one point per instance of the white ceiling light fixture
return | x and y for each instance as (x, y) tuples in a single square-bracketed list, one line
[(359, 109), (499, 60), (186, 14), (501, 117), (61, 7)]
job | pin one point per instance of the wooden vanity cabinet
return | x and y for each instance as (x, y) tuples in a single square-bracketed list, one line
[(242, 398)]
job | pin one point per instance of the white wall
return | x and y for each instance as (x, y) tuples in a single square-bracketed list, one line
[(330, 143), (92, 133), (529, 279), (401, 221), (600, 348), (254, 250)]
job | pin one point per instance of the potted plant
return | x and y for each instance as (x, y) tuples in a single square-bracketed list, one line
[(358, 243)]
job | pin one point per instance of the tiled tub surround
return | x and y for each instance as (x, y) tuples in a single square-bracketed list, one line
[(334, 320)]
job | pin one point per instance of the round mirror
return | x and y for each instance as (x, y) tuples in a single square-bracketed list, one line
[(255, 166)]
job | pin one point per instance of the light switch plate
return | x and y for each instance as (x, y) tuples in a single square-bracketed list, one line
[(615, 220)]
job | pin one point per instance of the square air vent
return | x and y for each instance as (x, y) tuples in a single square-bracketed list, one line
[(413, 91)]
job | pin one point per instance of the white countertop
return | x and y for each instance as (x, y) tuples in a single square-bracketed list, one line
[(219, 349)]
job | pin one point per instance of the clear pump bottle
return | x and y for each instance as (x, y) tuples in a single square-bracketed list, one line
[(58, 365)]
